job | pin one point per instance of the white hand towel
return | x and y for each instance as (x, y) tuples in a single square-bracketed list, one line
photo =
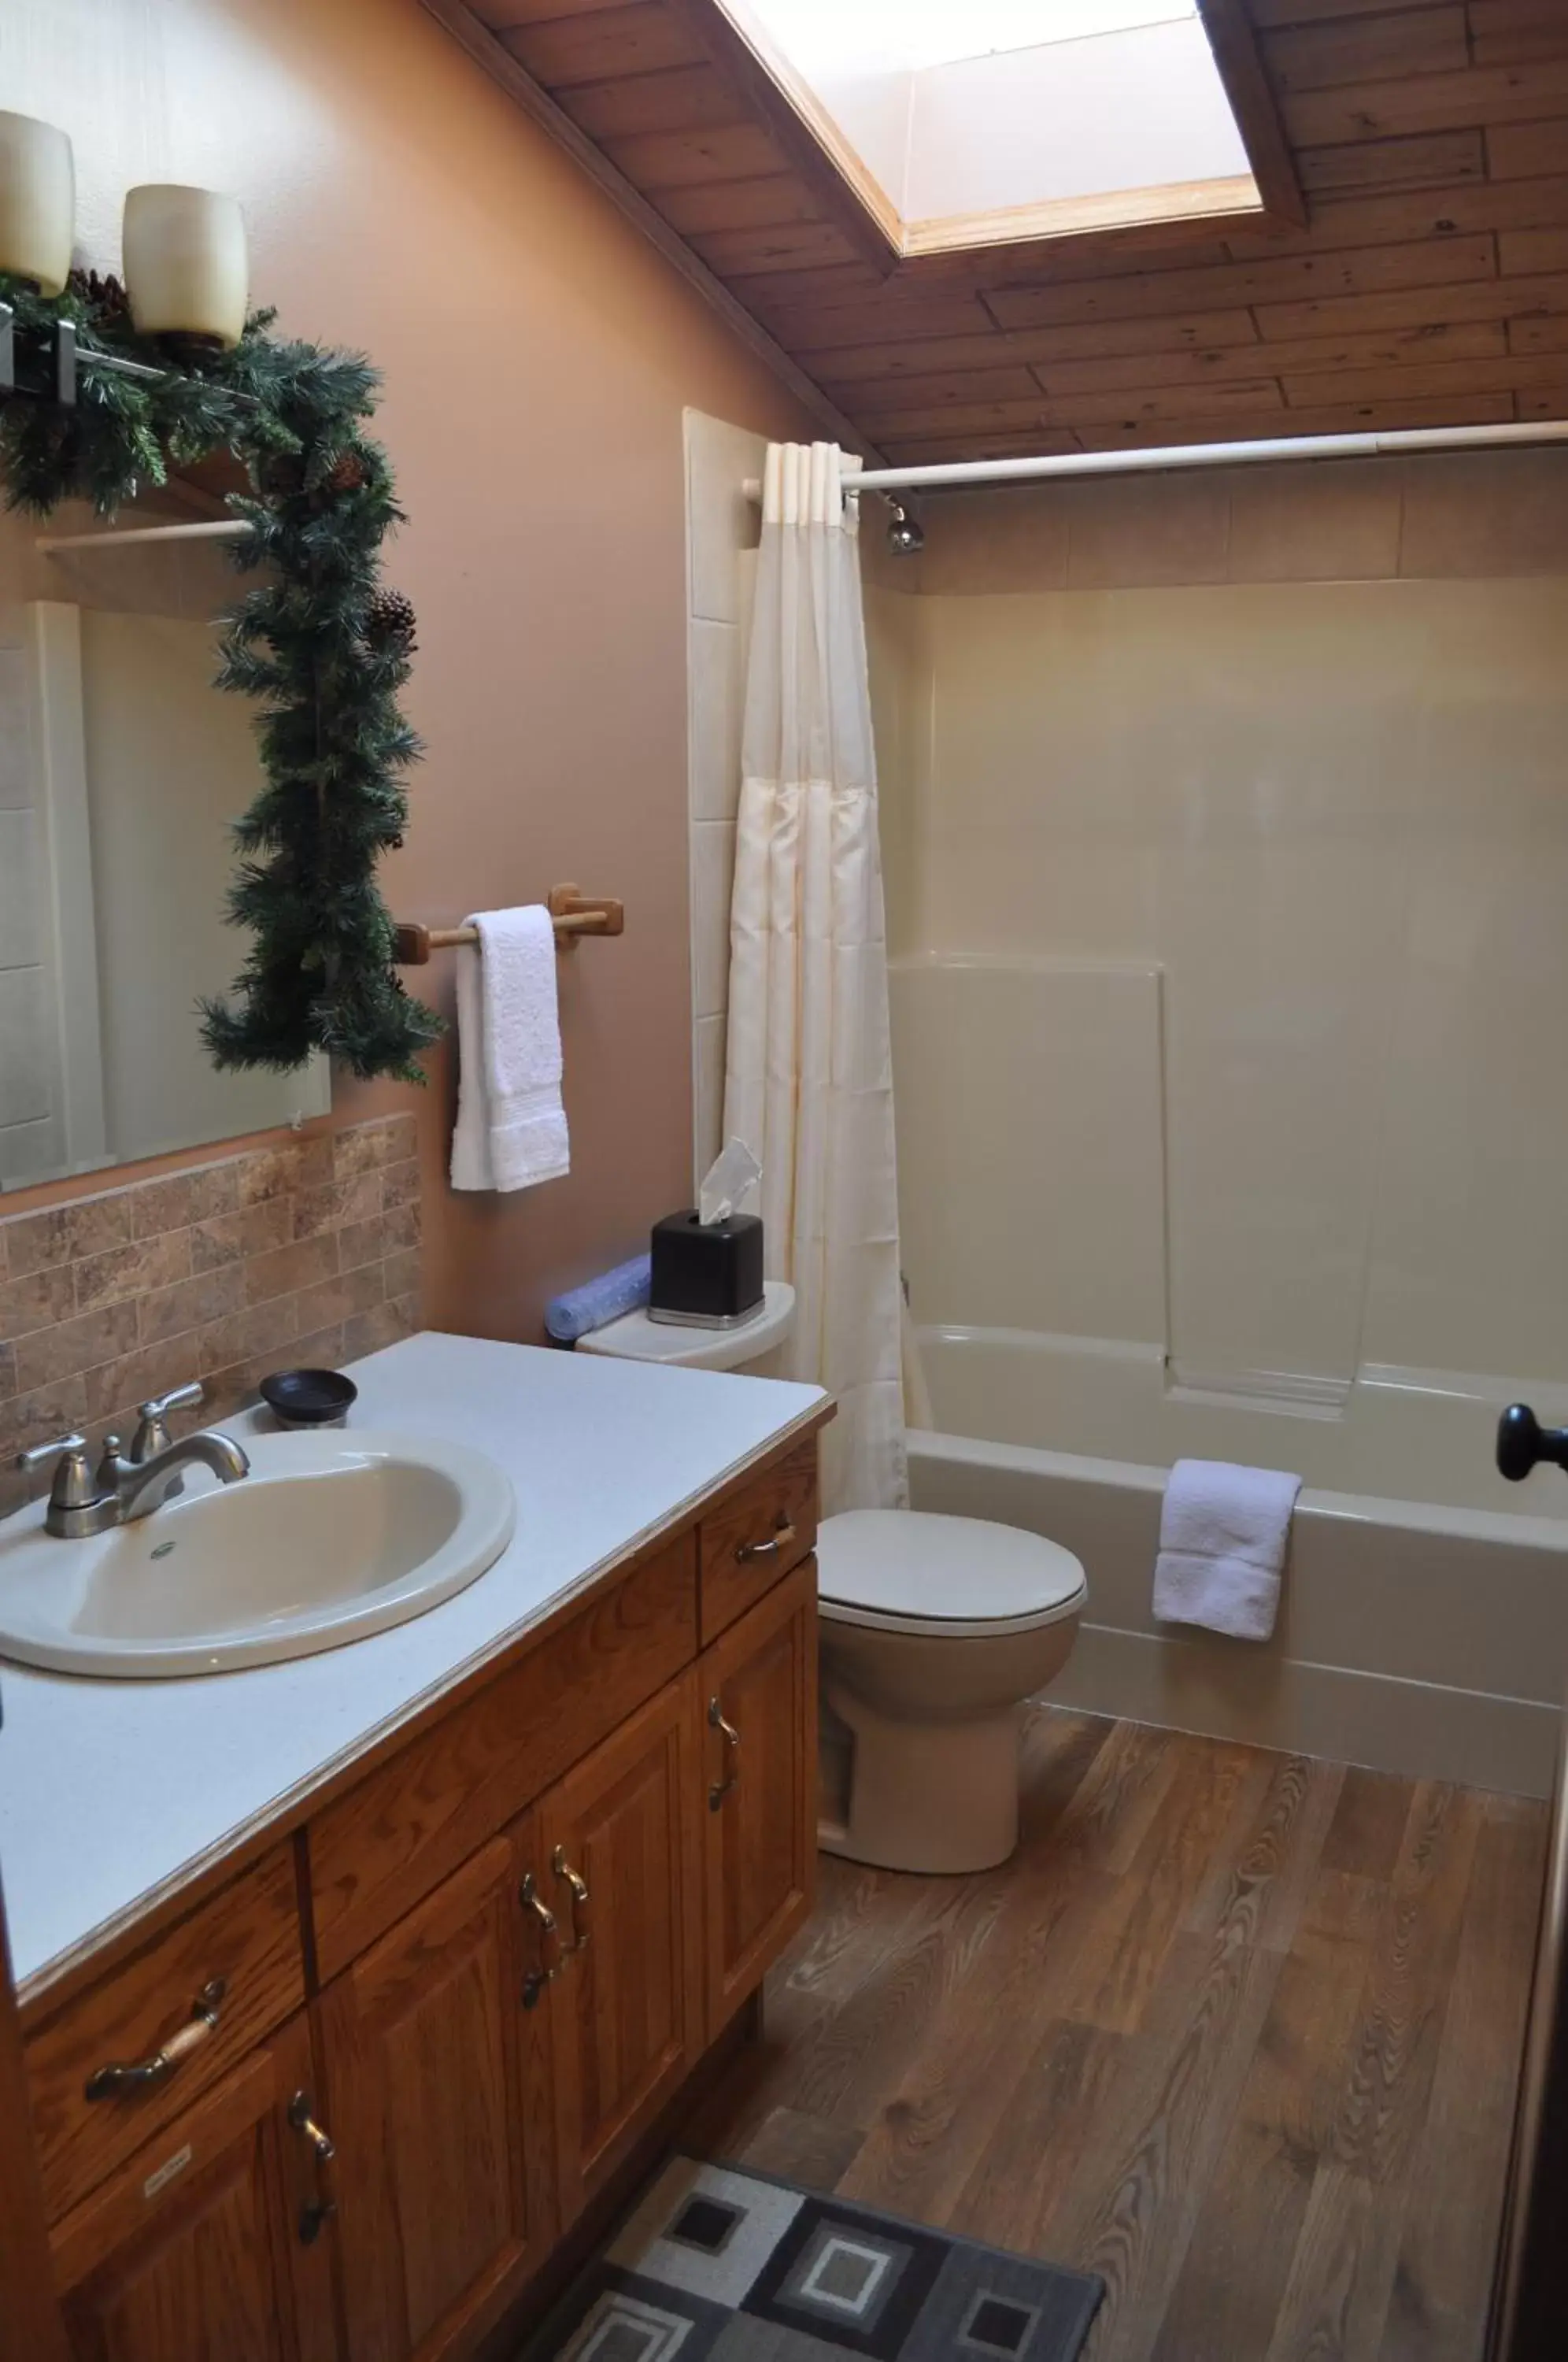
[(511, 1129), (1224, 1532)]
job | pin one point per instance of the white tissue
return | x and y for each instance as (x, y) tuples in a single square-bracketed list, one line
[(725, 1182)]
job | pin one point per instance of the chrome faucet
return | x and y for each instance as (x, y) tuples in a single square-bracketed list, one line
[(83, 1501)]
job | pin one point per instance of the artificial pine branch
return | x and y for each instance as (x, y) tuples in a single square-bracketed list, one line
[(318, 645)]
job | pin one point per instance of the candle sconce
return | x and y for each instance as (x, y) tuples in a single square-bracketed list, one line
[(184, 265), (39, 363)]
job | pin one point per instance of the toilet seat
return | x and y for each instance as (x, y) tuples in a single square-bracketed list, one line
[(957, 1578)]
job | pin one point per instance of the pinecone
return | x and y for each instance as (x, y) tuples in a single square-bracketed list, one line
[(348, 473), (109, 305), (388, 623)]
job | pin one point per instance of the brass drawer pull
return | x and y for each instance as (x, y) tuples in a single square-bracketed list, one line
[(114, 2082), (549, 1966), (730, 1736), (577, 1886), (783, 1535), (324, 2150)]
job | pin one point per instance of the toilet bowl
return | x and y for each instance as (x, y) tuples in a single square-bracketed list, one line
[(933, 1631)]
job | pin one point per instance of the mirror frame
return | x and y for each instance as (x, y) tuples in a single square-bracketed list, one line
[(319, 642)]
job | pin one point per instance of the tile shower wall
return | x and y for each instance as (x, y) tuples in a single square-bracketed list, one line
[(307, 1253), (721, 564)]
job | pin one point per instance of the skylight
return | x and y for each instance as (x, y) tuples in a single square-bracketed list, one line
[(913, 34), (972, 122)]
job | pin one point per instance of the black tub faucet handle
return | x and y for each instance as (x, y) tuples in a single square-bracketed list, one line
[(1522, 1442)]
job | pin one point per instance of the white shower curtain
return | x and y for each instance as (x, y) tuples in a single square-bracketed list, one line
[(808, 1082)]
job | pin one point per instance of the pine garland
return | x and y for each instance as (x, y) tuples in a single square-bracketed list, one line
[(320, 645)]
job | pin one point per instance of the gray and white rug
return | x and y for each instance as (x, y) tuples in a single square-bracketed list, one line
[(719, 2265)]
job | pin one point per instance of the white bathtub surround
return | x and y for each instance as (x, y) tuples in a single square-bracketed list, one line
[(1419, 1641), (511, 1131), (1215, 903), (808, 1069), (1224, 1529)]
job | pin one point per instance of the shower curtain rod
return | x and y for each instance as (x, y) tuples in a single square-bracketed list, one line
[(960, 473)]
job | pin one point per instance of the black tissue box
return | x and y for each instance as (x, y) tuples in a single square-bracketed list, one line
[(709, 1276)]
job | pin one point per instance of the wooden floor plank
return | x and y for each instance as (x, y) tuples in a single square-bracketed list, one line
[(1452, 2212), (1369, 1827), (1405, 2002), (1238, 2030), (1234, 2277)]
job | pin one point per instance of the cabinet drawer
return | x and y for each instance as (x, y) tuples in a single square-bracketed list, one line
[(245, 1939), (377, 1851), (758, 1534)]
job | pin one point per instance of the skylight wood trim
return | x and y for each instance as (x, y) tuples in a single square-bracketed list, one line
[(763, 78), (535, 101), (1235, 204), (1258, 118)]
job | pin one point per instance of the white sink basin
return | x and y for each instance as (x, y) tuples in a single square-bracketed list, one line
[(329, 1538)]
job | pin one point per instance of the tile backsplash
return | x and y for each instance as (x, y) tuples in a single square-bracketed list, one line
[(303, 1254)]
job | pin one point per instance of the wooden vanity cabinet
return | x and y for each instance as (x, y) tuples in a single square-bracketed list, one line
[(485, 1969), (192, 2251), (498, 2054), (627, 2009), (757, 1696), (438, 2093)]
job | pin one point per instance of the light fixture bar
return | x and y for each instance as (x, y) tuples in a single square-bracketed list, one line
[(952, 476), (217, 529)]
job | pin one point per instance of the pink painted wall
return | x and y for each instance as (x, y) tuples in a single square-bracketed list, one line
[(537, 357)]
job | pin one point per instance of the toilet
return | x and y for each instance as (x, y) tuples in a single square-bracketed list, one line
[(933, 1630)]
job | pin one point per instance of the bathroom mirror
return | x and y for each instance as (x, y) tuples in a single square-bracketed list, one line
[(122, 770)]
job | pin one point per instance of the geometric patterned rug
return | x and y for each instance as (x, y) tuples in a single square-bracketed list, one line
[(714, 2265)]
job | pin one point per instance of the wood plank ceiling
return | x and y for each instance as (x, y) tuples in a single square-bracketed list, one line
[(1428, 287)]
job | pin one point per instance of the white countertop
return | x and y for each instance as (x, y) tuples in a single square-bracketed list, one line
[(111, 1789)]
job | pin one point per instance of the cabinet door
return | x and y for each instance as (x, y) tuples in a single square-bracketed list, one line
[(758, 1700), (208, 2246), (627, 2008), (439, 2089)]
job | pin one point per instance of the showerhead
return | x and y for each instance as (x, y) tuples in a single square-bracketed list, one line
[(906, 535)]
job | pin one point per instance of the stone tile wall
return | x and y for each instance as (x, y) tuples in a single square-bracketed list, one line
[(303, 1254)]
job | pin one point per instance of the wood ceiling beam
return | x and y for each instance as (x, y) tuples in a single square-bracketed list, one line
[(493, 56), (1253, 102)]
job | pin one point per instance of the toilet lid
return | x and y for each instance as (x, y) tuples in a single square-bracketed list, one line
[(910, 1568)]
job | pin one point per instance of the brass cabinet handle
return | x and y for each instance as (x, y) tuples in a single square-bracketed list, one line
[(730, 1736), (115, 2082), (549, 1966), (577, 1886), (783, 1535), (324, 2151)]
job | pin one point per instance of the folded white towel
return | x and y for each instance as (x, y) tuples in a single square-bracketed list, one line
[(511, 1129), (1223, 1531)]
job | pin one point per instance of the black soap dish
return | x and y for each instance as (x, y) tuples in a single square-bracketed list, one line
[(309, 1397)]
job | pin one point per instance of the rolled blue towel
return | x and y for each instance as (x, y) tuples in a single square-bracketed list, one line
[(599, 1302)]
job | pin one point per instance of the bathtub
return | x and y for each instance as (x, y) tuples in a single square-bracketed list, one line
[(1424, 1627)]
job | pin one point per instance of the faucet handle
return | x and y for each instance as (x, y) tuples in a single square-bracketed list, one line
[(153, 1434), (42, 1451), (73, 1488)]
